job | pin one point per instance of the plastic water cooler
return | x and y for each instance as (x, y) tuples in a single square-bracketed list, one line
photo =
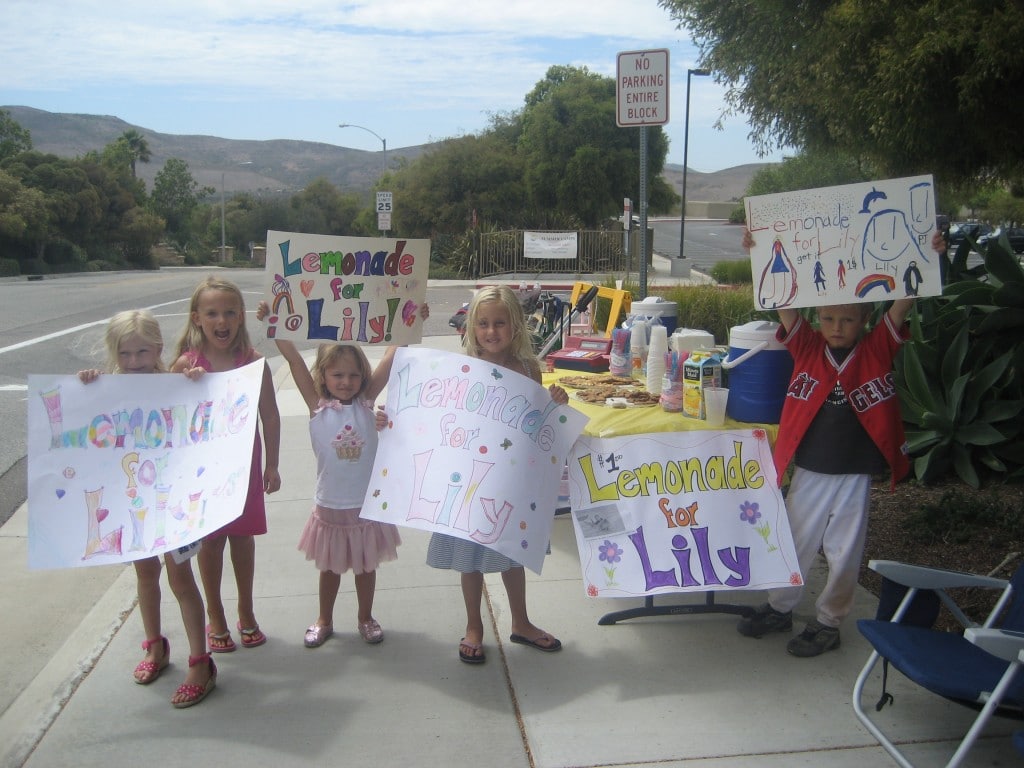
[(759, 369)]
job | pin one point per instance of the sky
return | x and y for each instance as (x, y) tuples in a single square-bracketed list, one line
[(407, 71)]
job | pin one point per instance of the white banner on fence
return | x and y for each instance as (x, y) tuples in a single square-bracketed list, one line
[(133, 466), (550, 245), (472, 451), (689, 511)]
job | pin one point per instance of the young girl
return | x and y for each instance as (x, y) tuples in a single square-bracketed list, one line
[(496, 332), (339, 391), (215, 340), (134, 345)]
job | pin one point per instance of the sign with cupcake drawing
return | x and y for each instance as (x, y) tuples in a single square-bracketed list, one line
[(119, 470), (849, 244), (326, 288), (689, 511), (472, 450)]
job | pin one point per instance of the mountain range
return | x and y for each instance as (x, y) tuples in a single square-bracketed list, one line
[(282, 166)]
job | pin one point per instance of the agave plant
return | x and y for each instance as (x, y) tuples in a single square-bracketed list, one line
[(960, 377)]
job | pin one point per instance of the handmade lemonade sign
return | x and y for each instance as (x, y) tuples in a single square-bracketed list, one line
[(844, 245), (471, 450), (691, 511), (345, 289), (128, 466)]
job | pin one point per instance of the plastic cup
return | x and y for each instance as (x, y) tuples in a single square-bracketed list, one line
[(715, 399)]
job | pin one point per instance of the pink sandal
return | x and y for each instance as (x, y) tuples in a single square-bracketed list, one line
[(195, 693), (221, 643), (151, 670), (251, 638)]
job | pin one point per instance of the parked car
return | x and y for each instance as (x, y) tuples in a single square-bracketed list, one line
[(1015, 236), (961, 230)]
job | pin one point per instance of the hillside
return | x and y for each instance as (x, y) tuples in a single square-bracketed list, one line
[(282, 166)]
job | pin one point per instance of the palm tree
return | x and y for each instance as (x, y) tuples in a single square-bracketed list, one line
[(138, 147)]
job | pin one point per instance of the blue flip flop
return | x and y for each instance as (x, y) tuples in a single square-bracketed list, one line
[(555, 644)]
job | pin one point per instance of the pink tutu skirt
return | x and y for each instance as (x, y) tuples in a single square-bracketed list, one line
[(339, 540)]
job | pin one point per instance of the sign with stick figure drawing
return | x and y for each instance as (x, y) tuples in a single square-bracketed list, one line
[(327, 288), (844, 245)]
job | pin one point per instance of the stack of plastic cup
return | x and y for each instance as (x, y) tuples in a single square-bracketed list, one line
[(656, 358), (619, 362), (638, 348)]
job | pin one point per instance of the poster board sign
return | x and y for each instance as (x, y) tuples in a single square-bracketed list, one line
[(550, 245), (844, 245), (345, 289), (121, 468), (692, 511), (473, 451)]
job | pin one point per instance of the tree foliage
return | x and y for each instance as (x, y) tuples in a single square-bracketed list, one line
[(13, 138), (917, 86), (175, 196), (559, 158)]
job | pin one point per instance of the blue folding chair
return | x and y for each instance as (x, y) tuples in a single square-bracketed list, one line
[(978, 669)]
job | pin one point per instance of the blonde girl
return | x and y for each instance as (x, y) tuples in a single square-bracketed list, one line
[(339, 390), (496, 332), (215, 339), (134, 345)]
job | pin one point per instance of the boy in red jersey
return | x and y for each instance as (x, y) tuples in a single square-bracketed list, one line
[(840, 425)]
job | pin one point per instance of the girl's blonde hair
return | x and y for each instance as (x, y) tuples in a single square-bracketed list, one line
[(328, 355), (132, 322), (522, 344), (192, 336)]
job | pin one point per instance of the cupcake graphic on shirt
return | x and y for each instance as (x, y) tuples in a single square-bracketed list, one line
[(348, 444)]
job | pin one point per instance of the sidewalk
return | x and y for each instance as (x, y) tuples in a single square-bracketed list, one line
[(673, 691)]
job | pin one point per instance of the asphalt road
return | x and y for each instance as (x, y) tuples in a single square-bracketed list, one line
[(707, 242), (56, 326)]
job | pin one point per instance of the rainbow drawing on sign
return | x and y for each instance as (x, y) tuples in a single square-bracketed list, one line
[(869, 283)]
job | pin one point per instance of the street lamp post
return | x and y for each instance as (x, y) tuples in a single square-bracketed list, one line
[(383, 142), (686, 142), (223, 239)]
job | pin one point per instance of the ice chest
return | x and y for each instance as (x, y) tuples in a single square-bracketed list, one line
[(758, 368), (652, 307)]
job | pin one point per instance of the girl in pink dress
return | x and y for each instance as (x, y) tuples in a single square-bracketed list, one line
[(216, 340), (339, 391)]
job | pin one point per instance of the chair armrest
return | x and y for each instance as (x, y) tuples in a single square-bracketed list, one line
[(923, 577), (1004, 643)]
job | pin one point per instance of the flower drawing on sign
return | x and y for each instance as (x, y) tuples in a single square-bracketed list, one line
[(611, 553), (750, 511)]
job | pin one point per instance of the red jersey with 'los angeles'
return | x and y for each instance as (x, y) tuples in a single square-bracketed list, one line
[(865, 375)]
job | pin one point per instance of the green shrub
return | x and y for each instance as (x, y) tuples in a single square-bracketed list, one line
[(36, 267), (733, 272), (9, 268)]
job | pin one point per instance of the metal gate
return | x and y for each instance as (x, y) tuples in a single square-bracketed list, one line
[(501, 253)]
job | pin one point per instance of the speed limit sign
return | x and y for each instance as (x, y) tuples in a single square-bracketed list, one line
[(384, 202)]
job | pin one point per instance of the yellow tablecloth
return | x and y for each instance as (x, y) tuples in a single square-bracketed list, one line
[(613, 422)]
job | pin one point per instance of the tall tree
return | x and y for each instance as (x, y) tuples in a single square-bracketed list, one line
[(916, 85), (137, 146), (175, 196), (13, 138), (577, 159)]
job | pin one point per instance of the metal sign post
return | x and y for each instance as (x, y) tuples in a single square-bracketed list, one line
[(641, 99)]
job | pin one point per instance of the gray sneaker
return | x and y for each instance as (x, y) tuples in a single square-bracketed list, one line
[(814, 640), (764, 620)]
